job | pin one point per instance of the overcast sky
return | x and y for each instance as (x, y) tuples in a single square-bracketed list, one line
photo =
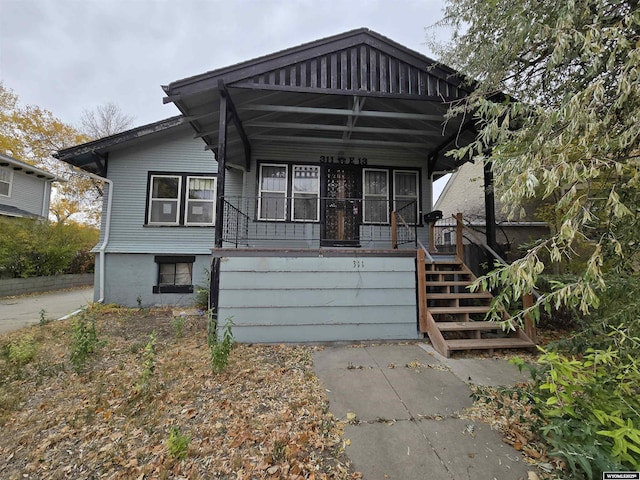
[(71, 55)]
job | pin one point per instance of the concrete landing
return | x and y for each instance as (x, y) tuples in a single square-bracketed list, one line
[(406, 402)]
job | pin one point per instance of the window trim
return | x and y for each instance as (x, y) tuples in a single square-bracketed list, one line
[(417, 197), (9, 181), (173, 259), (182, 203), (177, 199), (212, 201), (293, 194), (364, 195), (261, 191)]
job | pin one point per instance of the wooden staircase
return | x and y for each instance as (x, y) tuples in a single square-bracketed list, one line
[(453, 316)]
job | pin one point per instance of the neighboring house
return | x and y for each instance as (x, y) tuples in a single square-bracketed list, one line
[(24, 189), (318, 150), (465, 193)]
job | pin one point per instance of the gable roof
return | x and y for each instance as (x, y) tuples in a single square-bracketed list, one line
[(352, 89), (92, 156)]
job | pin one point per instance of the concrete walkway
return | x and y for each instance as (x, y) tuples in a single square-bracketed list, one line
[(406, 399), (18, 312)]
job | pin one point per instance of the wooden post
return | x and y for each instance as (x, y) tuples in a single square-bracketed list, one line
[(529, 324), (422, 290), (394, 230), (432, 237), (459, 243)]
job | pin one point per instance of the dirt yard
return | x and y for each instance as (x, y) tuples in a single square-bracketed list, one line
[(143, 408)]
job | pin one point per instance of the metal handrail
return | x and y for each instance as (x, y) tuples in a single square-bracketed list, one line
[(408, 207)]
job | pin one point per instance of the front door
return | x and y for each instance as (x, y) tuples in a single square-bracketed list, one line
[(341, 206)]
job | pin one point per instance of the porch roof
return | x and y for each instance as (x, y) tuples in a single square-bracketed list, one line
[(355, 89)]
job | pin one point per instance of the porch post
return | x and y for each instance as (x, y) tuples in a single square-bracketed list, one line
[(221, 157), (459, 240), (489, 207)]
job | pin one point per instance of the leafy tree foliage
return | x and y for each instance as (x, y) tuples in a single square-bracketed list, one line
[(31, 134), (31, 248), (557, 107), (569, 125)]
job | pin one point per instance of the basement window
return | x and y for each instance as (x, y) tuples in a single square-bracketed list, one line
[(175, 274)]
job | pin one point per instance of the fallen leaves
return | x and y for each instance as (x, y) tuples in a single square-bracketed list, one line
[(265, 417)]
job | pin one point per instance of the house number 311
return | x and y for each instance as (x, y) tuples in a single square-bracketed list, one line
[(358, 264)]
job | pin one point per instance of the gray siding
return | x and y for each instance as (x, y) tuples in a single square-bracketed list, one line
[(132, 276), (28, 192), (304, 299), (174, 151)]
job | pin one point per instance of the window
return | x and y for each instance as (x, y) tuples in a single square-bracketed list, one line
[(306, 193), (405, 191), (6, 176), (376, 195), (175, 274), (164, 201), (201, 201), (272, 200), (181, 199)]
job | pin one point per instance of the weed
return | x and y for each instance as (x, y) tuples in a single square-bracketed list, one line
[(220, 348), (43, 317), (149, 364), (139, 302), (178, 443), (84, 340), (22, 351), (279, 450), (178, 326)]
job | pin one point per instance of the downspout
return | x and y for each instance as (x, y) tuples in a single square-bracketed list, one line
[(107, 229)]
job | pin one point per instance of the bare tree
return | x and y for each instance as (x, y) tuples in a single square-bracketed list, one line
[(106, 119)]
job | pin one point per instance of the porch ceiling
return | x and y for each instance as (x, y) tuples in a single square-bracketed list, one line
[(357, 89)]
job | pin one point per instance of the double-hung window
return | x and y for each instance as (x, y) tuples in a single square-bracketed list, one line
[(201, 201), (272, 200), (282, 198), (181, 199), (375, 184), (406, 194), (164, 199), (306, 193), (6, 176)]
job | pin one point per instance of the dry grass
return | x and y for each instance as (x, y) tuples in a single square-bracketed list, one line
[(266, 416)]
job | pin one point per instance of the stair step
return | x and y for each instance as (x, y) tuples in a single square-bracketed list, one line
[(467, 326), (488, 343), (462, 309), (461, 295)]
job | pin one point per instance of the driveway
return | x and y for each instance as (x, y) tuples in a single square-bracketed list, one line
[(17, 312)]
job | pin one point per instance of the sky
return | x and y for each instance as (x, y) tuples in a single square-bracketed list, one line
[(68, 56)]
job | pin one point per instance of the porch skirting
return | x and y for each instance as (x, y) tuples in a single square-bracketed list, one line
[(318, 295)]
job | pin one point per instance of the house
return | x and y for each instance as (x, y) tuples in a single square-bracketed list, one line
[(296, 183), (464, 193), (25, 190)]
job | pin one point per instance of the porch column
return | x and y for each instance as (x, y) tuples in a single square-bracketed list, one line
[(489, 207), (221, 158)]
